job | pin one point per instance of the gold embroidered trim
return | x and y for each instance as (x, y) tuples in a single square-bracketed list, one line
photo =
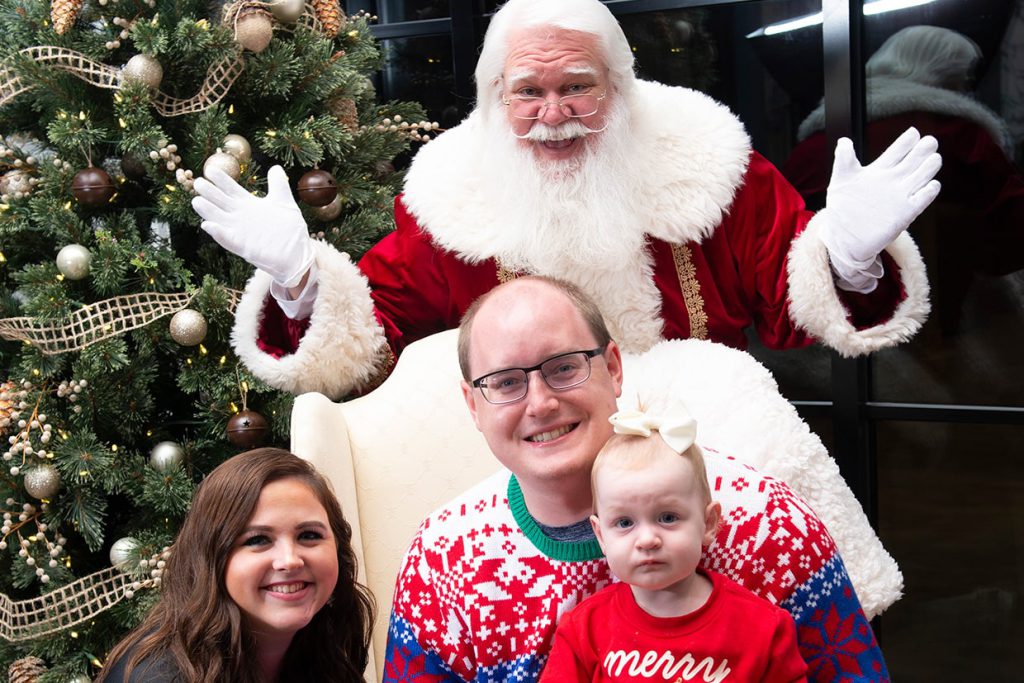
[(505, 274), (687, 273)]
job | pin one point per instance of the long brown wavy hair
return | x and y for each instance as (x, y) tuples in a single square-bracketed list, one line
[(198, 628)]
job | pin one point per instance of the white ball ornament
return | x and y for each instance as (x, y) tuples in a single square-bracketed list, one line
[(73, 261), (225, 162), (121, 551), (143, 69), (238, 147), (188, 327), (166, 456), (42, 482), (288, 11)]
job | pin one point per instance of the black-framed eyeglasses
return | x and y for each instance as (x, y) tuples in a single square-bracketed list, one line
[(564, 371)]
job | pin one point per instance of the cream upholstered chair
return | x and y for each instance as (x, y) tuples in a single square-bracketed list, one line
[(409, 446)]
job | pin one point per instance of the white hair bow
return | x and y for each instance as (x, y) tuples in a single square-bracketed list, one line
[(679, 430)]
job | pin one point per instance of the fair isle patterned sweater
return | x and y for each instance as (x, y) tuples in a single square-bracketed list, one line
[(481, 589)]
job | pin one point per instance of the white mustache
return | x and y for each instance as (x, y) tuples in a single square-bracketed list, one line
[(543, 132)]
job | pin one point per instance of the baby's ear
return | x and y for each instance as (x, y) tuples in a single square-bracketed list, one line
[(595, 524), (712, 516)]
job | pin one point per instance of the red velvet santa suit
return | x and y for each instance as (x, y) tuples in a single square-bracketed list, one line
[(728, 244)]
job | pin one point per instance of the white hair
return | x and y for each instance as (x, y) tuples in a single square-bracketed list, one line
[(585, 16), (928, 55)]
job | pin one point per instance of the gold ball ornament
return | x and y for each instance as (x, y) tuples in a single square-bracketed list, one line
[(166, 456), (92, 187), (145, 69), (73, 262), (188, 327), (328, 212), (80, 678), (247, 429), (121, 552), (253, 29), (238, 147), (225, 162), (288, 11), (42, 482)]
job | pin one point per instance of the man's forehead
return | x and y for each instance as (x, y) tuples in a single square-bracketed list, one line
[(527, 321)]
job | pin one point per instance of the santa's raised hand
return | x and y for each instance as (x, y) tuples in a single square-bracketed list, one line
[(268, 232), (869, 206)]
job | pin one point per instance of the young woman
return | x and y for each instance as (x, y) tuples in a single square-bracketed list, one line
[(260, 586)]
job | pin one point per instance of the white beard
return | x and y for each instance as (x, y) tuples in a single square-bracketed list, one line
[(559, 215), (579, 219)]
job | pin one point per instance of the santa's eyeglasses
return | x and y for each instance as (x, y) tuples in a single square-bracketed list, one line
[(576, 105)]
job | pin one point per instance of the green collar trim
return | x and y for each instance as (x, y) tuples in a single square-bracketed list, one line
[(564, 552)]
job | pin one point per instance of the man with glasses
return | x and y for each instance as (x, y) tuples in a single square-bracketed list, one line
[(648, 197), (488, 575)]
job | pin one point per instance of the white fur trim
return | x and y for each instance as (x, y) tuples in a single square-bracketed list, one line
[(890, 97), (696, 152), (815, 305), (629, 300), (740, 412), (342, 351)]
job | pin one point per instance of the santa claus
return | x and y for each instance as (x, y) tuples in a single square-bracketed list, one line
[(649, 197)]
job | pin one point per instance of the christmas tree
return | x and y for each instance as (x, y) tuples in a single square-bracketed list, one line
[(120, 389)]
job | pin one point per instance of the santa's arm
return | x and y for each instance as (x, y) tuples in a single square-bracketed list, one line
[(339, 349), (837, 267)]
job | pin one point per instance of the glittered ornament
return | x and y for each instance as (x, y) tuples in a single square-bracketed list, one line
[(288, 11), (92, 187), (166, 456), (253, 29), (73, 261), (328, 212), (42, 481), (238, 147), (318, 188), (80, 678), (188, 327), (225, 162), (247, 429), (143, 69), (121, 551)]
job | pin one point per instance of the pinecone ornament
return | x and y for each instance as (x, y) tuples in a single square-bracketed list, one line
[(26, 670), (330, 15), (63, 14), (344, 109)]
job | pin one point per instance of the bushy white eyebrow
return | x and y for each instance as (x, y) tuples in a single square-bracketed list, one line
[(527, 74)]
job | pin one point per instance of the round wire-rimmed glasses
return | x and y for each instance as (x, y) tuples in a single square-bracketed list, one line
[(577, 105), (564, 371)]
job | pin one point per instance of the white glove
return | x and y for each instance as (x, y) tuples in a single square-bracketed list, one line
[(267, 232), (869, 206)]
